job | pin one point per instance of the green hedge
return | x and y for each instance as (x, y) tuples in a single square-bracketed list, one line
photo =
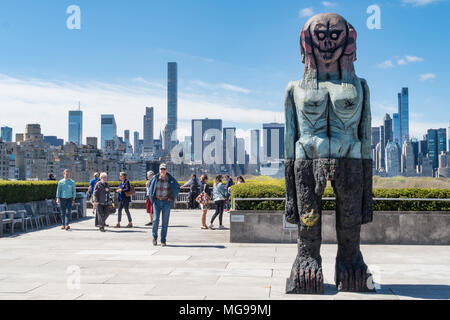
[(277, 190), (26, 191)]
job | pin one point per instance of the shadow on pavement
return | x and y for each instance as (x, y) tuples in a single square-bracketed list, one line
[(196, 246), (421, 291)]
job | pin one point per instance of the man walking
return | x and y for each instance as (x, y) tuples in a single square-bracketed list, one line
[(163, 191), (89, 193), (65, 197)]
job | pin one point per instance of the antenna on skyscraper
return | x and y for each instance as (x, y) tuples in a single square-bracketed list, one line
[(79, 105)]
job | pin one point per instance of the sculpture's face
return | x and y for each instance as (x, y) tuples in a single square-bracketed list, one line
[(329, 37)]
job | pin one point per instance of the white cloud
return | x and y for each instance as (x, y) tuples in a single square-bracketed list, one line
[(400, 61), (417, 3), (328, 4), (48, 102), (386, 64), (218, 86), (427, 76), (306, 12), (414, 59)]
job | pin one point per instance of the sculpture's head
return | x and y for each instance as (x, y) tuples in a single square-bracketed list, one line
[(327, 39)]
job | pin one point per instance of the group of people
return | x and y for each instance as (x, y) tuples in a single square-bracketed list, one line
[(162, 190), (200, 193)]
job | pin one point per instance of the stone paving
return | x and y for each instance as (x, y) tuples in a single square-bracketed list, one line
[(196, 264)]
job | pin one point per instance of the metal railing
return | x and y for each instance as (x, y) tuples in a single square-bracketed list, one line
[(141, 193), (333, 199)]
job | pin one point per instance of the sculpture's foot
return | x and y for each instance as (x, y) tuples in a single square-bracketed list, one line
[(353, 276), (306, 277)]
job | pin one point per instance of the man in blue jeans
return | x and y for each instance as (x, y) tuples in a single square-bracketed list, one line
[(163, 190), (65, 197)]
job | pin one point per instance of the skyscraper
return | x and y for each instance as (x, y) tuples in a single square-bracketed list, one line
[(108, 128), (255, 146), (432, 146), (126, 137), (199, 129), (407, 162), (172, 96), (148, 130), (382, 149), (442, 140), (136, 143), (76, 126), (403, 111), (396, 128), (229, 146), (273, 141), (392, 159), (387, 125), (375, 136), (6, 134)]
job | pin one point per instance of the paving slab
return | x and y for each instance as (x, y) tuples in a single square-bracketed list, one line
[(197, 264)]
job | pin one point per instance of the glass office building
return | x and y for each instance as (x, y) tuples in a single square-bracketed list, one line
[(6, 133), (108, 128), (76, 126), (403, 111)]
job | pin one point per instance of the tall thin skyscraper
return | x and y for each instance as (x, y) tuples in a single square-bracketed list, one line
[(172, 96), (382, 149), (148, 130), (396, 128), (108, 128), (76, 126), (403, 111)]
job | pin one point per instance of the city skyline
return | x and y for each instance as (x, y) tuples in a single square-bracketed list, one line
[(240, 76)]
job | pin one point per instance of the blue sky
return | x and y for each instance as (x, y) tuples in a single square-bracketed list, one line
[(235, 59)]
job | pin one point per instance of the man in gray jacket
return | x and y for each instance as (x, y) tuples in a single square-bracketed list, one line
[(102, 200)]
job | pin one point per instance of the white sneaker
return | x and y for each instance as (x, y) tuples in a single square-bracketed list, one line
[(211, 226), (222, 228)]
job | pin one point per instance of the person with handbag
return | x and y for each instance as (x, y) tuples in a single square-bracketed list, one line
[(125, 193), (102, 200), (204, 198)]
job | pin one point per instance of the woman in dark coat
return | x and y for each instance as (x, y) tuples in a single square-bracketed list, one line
[(124, 200)]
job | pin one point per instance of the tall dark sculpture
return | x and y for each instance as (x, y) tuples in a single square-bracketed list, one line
[(328, 137)]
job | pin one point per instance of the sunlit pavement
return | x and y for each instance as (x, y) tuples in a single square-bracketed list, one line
[(197, 264)]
